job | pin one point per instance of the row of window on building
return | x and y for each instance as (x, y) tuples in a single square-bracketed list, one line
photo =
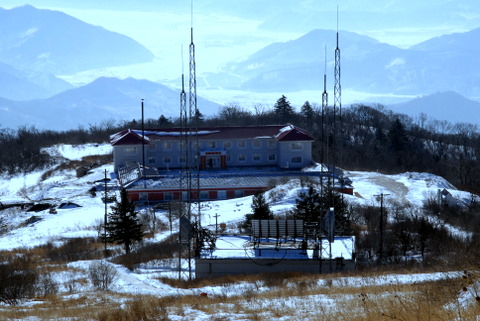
[(168, 146), (205, 195), (240, 158)]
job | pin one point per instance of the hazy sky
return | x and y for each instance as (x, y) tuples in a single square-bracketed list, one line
[(227, 30)]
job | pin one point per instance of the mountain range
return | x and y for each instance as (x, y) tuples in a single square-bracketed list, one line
[(39, 46), (105, 99), (444, 106), (54, 42), (367, 65)]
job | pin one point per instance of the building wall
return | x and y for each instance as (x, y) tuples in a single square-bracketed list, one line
[(205, 195), (205, 268), (294, 154), (238, 152)]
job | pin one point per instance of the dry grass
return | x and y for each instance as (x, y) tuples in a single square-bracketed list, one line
[(299, 298), (288, 296)]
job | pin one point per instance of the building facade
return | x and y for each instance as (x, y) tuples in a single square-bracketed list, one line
[(286, 147)]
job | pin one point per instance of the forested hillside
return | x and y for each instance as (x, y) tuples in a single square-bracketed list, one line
[(361, 138)]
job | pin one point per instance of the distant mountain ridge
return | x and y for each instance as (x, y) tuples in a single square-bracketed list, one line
[(105, 99), (444, 106), (54, 42), (25, 85), (367, 65)]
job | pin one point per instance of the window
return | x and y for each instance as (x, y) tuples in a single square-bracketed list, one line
[(272, 157), (242, 144), (143, 197), (167, 145), (167, 196), (181, 145), (152, 146), (296, 146), (256, 144), (241, 157), (222, 195), (271, 144), (296, 160), (257, 157), (130, 150), (204, 195), (167, 159), (229, 158), (184, 195), (151, 160), (182, 159), (227, 145), (238, 193), (211, 144)]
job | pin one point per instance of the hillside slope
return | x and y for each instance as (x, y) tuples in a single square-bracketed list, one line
[(54, 42)]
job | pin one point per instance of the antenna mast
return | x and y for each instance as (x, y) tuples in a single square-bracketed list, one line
[(337, 91), (337, 109), (324, 108), (189, 176)]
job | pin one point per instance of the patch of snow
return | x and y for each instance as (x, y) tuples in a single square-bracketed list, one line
[(77, 152)]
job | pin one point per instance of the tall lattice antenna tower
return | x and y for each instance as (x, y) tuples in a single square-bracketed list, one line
[(195, 119), (337, 96), (185, 215), (324, 110), (189, 176)]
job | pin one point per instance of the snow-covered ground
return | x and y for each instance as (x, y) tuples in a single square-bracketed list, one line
[(84, 221)]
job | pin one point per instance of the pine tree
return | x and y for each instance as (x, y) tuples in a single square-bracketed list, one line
[(283, 110), (123, 226), (307, 111), (260, 208), (309, 205)]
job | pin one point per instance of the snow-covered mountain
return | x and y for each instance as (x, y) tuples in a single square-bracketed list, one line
[(105, 99), (53, 42)]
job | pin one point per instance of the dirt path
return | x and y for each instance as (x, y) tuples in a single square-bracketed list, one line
[(399, 189)]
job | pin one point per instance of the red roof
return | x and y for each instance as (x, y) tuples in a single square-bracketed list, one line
[(278, 132), (127, 137)]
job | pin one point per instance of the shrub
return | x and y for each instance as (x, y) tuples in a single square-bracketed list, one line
[(153, 251), (102, 275), (74, 249), (18, 278), (46, 285)]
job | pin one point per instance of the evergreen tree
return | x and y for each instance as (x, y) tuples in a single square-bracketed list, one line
[(398, 136), (307, 111), (123, 226), (312, 205), (260, 208), (164, 122), (283, 110), (309, 205), (197, 117)]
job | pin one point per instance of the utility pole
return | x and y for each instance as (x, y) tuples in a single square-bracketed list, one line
[(105, 217), (381, 227), (216, 223), (143, 149)]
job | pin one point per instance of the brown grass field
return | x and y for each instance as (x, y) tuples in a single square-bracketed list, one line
[(269, 297)]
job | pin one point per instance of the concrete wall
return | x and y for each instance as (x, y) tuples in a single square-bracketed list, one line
[(205, 268)]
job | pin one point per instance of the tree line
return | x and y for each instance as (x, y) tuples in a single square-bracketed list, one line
[(359, 137)]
